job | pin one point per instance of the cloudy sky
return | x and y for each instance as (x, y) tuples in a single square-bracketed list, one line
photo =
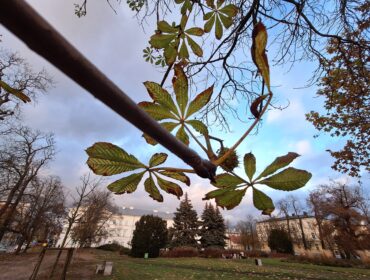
[(114, 43)]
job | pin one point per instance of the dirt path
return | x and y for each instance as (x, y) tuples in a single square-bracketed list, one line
[(20, 267)]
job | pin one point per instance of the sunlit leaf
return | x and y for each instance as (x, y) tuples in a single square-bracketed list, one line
[(161, 41), (184, 53), (210, 3), (170, 54), (229, 10), (127, 184), (161, 96), (156, 111), (259, 36), (288, 179), (107, 159), (199, 101), (182, 136), (249, 165), (157, 159), (226, 180), (152, 189), (180, 86), (262, 202), (198, 126), (278, 163), (20, 95), (169, 187), (180, 176), (165, 27), (196, 31)]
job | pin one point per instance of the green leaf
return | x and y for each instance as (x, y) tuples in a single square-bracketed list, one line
[(196, 31), (170, 54), (107, 159), (226, 180), (218, 30), (180, 86), (262, 202), (287, 180), (180, 176), (278, 163), (152, 189), (226, 198), (161, 41), (226, 21), (127, 184), (20, 95), (249, 165), (210, 3), (230, 10), (169, 187), (184, 20), (156, 111), (198, 126), (157, 159), (199, 101), (169, 126), (161, 96), (219, 3), (182, 136), (194, 47), (209, 24), (165, 27), (184, 53), (208, 15)]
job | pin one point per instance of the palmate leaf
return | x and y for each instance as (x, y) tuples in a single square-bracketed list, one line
[(184, 53), (161, 41), (198, 126), (195, 31), (157, 159), (262, 202), (169, 187), (170, 53), (180, 176), (127, 184), (199, 101), (209, 24), (229, 10), (249, 165), (165, 27), (108, 159), (226, 198), (156, 111), (180, 86), (278, 163), (287, 180), (226, 180), (219, 29), (197, 50), (152, 189), (161, 96), (20, 95), (169, 126), (259, 57)]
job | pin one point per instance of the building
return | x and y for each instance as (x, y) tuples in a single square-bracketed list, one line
[(120, 226), (298, 225)]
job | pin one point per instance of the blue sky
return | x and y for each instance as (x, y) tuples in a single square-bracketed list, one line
[(114, 44)]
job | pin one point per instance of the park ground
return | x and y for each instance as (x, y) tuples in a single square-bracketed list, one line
[(84, 262)]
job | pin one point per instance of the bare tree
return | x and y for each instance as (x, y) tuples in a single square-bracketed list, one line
[(19, 83), (248, 235), (95, 212), (23, 152), (44, 210)]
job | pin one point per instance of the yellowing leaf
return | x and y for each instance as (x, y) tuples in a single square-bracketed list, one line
[(218, 30), (169, 126), (196, 31), (107, 159), (209, 24), (249, 165), (127, 184), (226, 180), (157, 159), (199, 101), (278, 163), (229, 10), (156, 111), (161, 41), (180, 86), (14, 92), (180, 176), (262, 202), (165, 27), (194, 47), (226, 20), (184, 53), (152, 189), (161, 96), (198, 126), (182, 136), (169, 187)]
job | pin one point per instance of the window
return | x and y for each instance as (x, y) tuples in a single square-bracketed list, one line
[(313, 235)]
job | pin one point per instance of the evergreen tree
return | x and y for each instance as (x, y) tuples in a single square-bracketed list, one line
[(213, 227), (280, 241), (185, 227), (150, 235)]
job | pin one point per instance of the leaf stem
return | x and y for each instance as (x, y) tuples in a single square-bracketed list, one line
[(232, 149), (196, 140), (173, 169)]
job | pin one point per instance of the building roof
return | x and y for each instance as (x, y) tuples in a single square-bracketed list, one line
[(130, 211), (293, 217)]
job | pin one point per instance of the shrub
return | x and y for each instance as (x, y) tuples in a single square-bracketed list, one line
[(180, 252), (114, 247), (212, 252), (279, 241), (322, 260)]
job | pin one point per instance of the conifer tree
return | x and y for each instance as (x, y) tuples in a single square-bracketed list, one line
[(186, 225), (213, 227)]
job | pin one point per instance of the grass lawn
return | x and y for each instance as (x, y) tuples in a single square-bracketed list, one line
[(200, 268)]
